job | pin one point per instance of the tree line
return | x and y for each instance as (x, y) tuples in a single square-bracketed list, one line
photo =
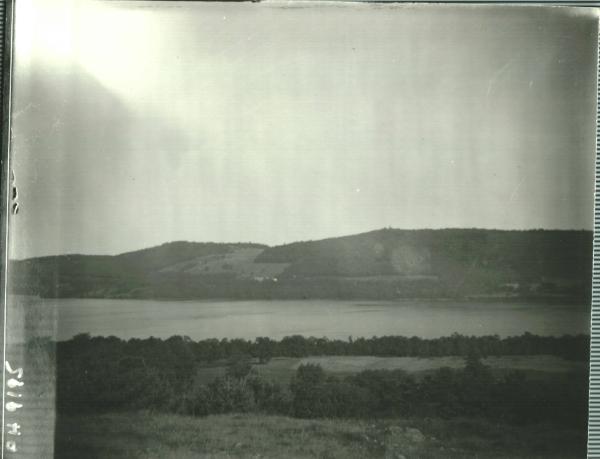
[(447, 393), (184, 352), (109, 374)]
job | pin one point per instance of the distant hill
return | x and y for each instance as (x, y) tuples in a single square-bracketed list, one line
[(382, 264)]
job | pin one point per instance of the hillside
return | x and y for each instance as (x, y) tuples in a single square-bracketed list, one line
[(382, 264)]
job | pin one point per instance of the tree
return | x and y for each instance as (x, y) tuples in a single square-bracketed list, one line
[(264, 349), (239, 367), (306, 387)]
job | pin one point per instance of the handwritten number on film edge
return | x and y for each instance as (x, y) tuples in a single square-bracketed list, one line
[(11, 406)]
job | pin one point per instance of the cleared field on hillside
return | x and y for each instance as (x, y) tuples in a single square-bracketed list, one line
[(240, 261), (152, 435), (281, 369)]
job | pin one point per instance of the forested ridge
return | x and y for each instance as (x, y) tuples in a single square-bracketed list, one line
[(384, 264)]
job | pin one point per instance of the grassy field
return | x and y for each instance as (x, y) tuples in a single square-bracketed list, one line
[(147, 435), (281, 369)]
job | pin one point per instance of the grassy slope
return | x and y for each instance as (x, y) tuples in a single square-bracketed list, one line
[(146, 435)]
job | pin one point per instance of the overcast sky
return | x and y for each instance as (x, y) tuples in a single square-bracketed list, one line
[(136, 125)]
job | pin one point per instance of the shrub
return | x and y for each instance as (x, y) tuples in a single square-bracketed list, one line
[(230, 395)]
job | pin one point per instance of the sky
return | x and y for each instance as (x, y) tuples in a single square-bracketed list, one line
[(139, 123)]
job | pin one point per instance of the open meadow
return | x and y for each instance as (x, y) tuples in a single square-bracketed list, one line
[(282, 369)]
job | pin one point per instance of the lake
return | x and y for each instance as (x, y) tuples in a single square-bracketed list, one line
[(65, 318)]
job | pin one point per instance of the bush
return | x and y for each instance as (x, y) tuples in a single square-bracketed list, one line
[(230, 395), (270, 397), (195, 401)]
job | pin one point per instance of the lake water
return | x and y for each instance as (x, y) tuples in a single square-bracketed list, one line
[(330, 318)]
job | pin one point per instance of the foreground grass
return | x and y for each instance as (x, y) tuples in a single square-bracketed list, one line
[(151, 435)]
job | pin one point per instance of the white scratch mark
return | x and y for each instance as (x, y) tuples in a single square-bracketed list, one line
[(57, 124), (497, 75), (514, 193), (25, 109)]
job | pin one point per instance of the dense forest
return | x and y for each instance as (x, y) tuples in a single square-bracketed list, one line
[(384, 264), (98, 374)]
